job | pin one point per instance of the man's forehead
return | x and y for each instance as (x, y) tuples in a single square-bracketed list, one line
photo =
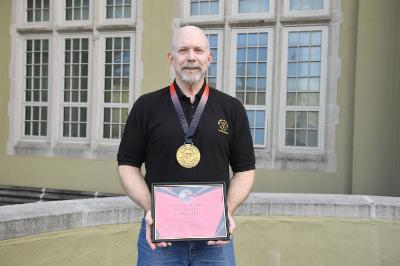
[(191, 45), (198, 39), (191, 37)]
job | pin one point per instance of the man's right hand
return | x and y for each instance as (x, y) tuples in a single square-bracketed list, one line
[(149, 222)]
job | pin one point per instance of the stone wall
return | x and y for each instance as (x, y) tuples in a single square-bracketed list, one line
[(272, 229)]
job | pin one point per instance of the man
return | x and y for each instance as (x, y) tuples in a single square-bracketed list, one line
[(153, 134)]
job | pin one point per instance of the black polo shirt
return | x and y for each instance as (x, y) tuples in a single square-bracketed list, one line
[(153, 134)]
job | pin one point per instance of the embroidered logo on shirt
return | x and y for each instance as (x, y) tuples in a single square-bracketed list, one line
[(223, 126)]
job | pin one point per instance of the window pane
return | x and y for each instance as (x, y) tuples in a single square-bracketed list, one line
[(253, 6), (118, 12), (314, 84), (302, 84), (291, 84), (303, 69), (251, 54), (312, 140), (46, 15), (292, 70), (251, 69), (315, 69), (252, 39), (204, 8), (250, 98), (304, 38), (194, 9), (290, 119), (259, 136), (313, 120), (301, 119), (295, 4), (214, 7), (260, 119), (250, 116), (315, 54), (109, 12), (316, 38), (289, 137), (300, 5), (293, 39), (301, 137), (302, 99), (250, 84), (306, 5), (303, 53), (127, 11), (85, 13), (313, 99)]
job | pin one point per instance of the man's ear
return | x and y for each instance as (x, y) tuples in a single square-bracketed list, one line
[(170, 57), (209, 57)]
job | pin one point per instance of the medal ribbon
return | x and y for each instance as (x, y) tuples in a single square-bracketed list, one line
[(188, 130)]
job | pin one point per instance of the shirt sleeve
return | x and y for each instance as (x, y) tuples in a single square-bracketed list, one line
[(242, 156), (133, 143)]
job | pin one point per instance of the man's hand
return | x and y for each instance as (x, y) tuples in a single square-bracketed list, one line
[(149, 222), (232, 227)]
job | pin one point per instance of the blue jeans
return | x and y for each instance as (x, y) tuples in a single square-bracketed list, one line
[(184, 253)]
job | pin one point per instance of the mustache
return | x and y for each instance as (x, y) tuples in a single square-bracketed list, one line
[(191, 66)]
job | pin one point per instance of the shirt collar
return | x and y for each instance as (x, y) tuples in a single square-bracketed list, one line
[(180, 94)]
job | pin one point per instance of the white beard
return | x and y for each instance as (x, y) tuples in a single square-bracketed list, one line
[(190, 79)]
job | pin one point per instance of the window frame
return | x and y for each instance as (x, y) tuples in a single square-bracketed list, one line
[(269, 15), (22, 101), (80, 22), (267, 107), (306, 13), (27, 23), (186, 12), (101, 77), (112, 21), (320, 149), (220, 35), (60, 91)]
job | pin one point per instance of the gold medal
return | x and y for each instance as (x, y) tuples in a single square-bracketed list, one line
[(188, 155)]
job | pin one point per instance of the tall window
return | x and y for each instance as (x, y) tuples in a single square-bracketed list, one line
[(251, 79), (38, 10), (211, 75), (75, 99), (303, 88), (36, 87), (117, 86)]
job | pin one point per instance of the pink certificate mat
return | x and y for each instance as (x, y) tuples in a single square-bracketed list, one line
[(195, 211)]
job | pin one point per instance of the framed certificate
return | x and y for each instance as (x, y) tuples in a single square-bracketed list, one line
[(189, 211)]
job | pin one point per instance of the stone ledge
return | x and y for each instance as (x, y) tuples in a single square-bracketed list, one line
[(37, 218)]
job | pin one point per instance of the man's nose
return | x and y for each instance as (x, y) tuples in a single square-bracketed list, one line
[(191, 55)]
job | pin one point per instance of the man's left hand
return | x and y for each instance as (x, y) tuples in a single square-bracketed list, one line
[(232, 227)]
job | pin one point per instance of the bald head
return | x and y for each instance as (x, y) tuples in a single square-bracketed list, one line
[(189, 32)]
